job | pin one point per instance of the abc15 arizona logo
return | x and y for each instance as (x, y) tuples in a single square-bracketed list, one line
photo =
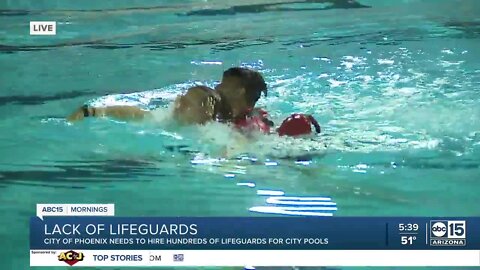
[(71, 257), (448, 233)]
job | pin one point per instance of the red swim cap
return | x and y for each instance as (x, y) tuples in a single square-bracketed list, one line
[(298, 124)]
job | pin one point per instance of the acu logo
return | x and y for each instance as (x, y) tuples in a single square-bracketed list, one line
[(71, 257)]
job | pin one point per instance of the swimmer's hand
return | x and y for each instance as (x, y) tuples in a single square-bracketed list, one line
[(117, 112)]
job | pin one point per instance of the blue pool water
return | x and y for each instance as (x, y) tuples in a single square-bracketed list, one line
[(395, 86)]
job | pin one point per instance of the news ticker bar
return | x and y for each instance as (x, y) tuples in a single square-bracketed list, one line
[(254, 233), (142, 258)]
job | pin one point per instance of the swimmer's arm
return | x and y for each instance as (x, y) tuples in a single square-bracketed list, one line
[(117, 112)]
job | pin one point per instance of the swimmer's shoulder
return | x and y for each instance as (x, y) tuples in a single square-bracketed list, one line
[(203, 91), (219, 110), (206, 95)]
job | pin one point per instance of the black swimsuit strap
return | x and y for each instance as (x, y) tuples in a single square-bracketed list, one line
[(314, 123), (86, 113)]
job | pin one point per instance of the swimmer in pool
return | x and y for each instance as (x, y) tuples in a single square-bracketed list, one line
[(231, 100)]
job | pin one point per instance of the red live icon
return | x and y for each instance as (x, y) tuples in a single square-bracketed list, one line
[(43, 28)]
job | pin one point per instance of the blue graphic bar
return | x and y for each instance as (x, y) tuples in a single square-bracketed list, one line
[(254, 233)]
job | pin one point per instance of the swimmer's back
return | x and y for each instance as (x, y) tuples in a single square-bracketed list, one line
[(198, 105)]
